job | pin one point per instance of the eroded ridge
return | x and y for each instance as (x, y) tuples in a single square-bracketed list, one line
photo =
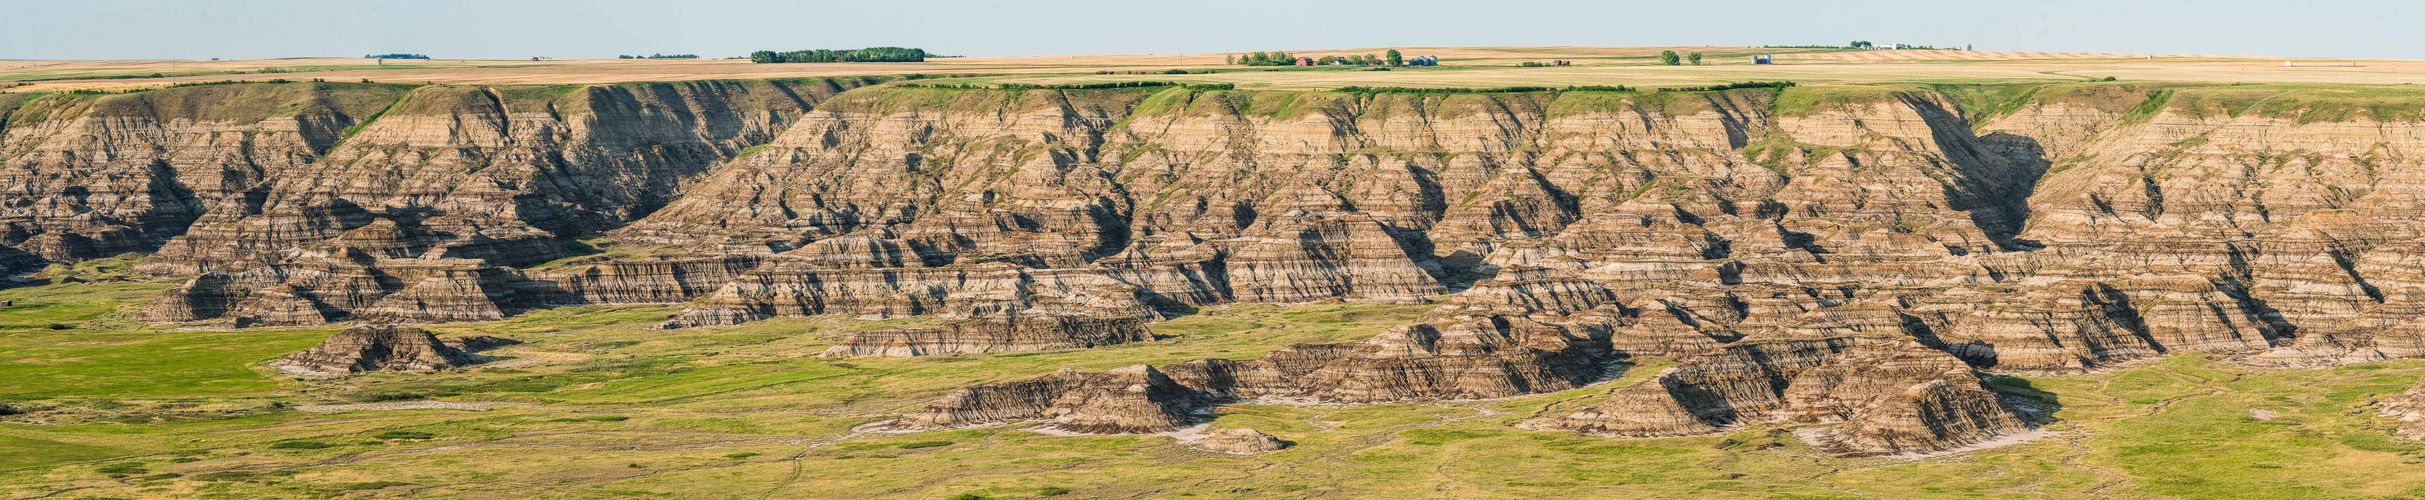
[(1854, 256)]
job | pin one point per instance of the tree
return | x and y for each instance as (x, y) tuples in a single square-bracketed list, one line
[(1696, 58), (1670, 58), (1274, 58), (1326, 60), (1394, 58)]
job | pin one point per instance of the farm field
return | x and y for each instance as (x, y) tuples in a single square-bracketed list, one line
[(1460, 67)]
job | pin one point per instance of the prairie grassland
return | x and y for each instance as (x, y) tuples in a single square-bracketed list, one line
[(1461, 67), (611, 409)]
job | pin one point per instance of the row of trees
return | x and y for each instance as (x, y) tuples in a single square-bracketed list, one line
[(661, 56), (1276, 58), (1670, 58), (870, 54), (395, 56)]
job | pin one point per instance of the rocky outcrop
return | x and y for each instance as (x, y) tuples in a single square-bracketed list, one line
[(92, 176), (1849, 257), (494, 173), (2408, 411), (384, 348), (1003, 334), (1471, 359), (1136, 399), (421, 215), (478, 343), (1891, 397), (1241, 442)]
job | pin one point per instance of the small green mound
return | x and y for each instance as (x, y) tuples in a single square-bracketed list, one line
[(410, 435)]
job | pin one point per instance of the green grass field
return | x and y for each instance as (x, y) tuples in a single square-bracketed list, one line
[(610, 409)]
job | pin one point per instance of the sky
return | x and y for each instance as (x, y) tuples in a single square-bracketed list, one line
[(505, 29)]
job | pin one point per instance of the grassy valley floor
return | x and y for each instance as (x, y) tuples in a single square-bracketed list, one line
[(596, 405)]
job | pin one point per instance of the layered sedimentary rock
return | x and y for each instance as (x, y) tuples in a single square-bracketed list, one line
[(493, 173), (419, 215), (1128, 400), (1241, 442), (384, 348), (1891, 396), (1003, 334), (2408, 410), (1848, 257), (1470, 358), (90, 176)]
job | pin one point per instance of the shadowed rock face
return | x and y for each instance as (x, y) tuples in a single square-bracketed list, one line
[(418, 216), (95, 176), (385, 348), (994, 335), (1476, 358), (1135, 399), (1848, 257), (1892, 397)]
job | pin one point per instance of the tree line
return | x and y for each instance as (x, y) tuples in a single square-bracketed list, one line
[(1277, 58), (395, 56), (870, 54), (660, 56)]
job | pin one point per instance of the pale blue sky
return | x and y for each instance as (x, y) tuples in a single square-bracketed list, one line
[(196, 29)]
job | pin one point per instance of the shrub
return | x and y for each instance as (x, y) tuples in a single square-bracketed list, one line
[(1072, 86), (403, 435), (121, 469), (924, 444), (1732, 86), (300, 445), (1357, 89), (229, 476), (1054, 491)]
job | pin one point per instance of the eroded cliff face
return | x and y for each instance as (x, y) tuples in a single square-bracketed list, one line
[(1847, 257), (1887, 242), (421, 215), (91, 176)]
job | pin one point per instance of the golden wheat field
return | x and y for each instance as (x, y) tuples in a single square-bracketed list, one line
[(1460, 67)]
